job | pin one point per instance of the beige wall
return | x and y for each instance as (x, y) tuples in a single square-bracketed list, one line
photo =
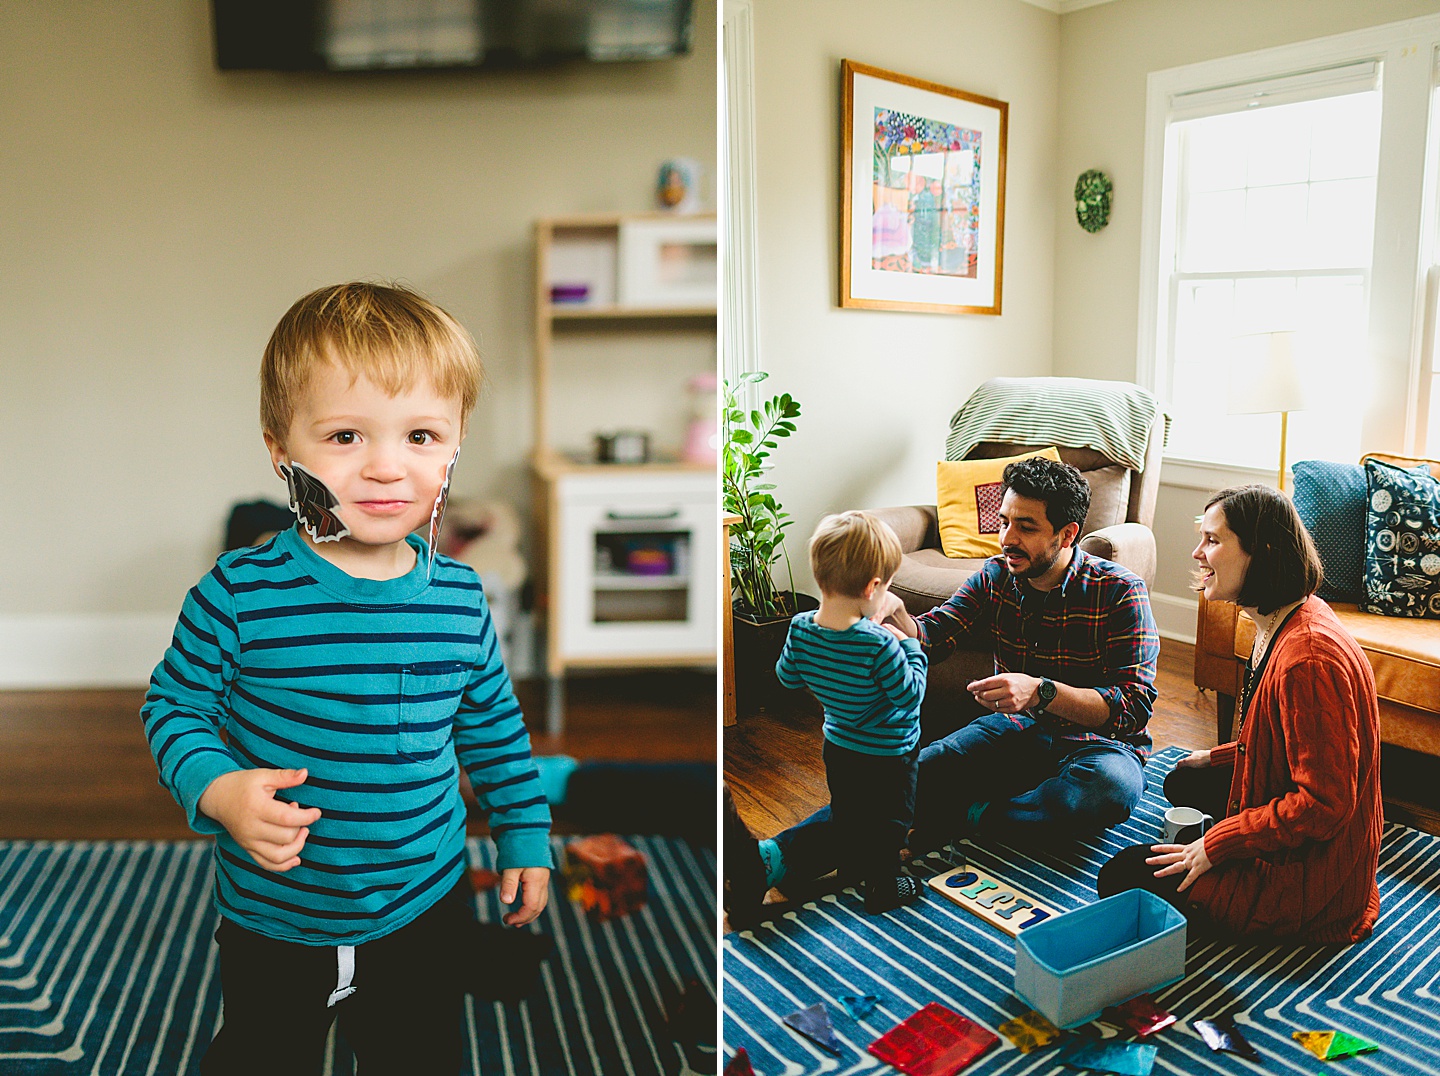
[(158, 216), (877, 388), (1106, 52)]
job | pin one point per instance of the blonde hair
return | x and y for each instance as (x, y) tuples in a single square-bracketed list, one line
[(392, 335), (850, 549)]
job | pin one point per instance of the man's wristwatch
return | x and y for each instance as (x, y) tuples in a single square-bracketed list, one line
[(1047, 693)]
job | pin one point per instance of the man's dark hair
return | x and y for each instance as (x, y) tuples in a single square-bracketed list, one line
[(1063, 489), (1284, 565)]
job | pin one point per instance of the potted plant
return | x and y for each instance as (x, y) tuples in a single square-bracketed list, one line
[(757, 542)]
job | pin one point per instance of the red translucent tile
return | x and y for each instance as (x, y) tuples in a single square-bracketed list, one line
[(933, 1042)]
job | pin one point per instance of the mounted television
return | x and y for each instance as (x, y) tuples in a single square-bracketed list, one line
[(391, 35)]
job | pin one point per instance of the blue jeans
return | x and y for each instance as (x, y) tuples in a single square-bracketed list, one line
[(862, 829), (1039, 787)]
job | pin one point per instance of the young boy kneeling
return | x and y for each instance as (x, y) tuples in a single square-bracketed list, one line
[(347, 667), (871, 680)]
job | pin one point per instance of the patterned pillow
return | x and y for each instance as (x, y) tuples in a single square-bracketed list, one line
[(967, 500), (1330, 500), (1402, 554)]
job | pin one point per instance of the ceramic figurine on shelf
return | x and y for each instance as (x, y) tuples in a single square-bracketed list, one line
[(678, 187)]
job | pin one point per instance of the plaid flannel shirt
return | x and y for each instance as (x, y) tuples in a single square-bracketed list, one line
[(1095, 629)]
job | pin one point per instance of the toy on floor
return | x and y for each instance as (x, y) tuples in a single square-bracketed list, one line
[(1140, 1015), (998, 903), (859, 1006), (1332, 1045), (1122, 1058), (1030, 1031), (739, 1065), (814, 1023), (1222, 1034), (606, 875), (933, 1042)]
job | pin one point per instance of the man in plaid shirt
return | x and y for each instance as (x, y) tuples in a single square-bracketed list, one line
[(1062, 750)]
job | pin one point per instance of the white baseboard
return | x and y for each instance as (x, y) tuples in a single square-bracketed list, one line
[(82, 649), (1175, 617)]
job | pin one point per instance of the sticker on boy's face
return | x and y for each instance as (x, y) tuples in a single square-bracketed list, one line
[(437, 514), (313, 504)]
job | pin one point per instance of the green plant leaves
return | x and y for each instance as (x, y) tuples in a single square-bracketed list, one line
[(757, 542)]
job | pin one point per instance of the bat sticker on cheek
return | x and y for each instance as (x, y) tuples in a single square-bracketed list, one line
[(437, 514), (313, 504)]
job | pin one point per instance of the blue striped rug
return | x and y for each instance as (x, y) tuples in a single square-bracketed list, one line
[(108, 968), (1386, 989)]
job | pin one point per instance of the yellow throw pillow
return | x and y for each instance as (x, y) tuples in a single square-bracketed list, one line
[(967, 496)]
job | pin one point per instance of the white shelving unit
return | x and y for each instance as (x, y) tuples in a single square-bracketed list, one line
[(631, 557)]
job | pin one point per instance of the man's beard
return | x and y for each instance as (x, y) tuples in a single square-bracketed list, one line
[(1038, 566)]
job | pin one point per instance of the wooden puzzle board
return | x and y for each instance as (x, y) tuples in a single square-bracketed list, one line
[(998, 903)]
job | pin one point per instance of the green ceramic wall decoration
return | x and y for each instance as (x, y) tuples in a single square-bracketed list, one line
[(1092, 200)]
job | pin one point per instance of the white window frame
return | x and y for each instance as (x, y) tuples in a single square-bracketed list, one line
[(739, 331), (1404, 218)]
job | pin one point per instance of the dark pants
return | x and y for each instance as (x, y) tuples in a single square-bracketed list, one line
[(404, 1018), (862, 829), (1206, 789), (1039, 788)]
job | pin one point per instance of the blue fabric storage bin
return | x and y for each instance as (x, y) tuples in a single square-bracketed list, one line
[(1075, 965)]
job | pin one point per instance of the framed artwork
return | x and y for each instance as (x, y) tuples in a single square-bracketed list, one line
[(922, 195)]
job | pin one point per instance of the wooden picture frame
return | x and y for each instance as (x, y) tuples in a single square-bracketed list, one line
[(927, 232)]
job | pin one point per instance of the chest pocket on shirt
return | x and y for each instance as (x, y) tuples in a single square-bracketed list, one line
[(429, 696)]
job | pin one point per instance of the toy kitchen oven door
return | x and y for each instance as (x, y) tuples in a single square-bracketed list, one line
[(635, 574)]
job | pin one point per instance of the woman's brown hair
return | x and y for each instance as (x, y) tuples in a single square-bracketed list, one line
[(1284, 565)]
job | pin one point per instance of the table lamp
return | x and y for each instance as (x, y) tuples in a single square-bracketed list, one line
[(1264, 379)]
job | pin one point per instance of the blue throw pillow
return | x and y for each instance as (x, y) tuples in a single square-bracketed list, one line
[(1402, 554), (1330, 500)]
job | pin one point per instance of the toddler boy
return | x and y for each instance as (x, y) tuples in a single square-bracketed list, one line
[(871, 680), (318, 689)]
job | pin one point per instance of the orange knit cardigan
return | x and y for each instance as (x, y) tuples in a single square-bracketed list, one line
[(1296, 854)]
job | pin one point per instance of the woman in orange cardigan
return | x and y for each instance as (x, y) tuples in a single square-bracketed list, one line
[(1296, 798)]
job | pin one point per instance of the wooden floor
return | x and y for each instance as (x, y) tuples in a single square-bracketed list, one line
[(75, 764), (774, 770)]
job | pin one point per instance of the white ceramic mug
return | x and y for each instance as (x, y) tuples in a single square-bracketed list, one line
[(1185, 824)]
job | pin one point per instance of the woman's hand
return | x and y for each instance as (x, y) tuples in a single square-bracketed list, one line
[(1195, 760), (1188, 859)]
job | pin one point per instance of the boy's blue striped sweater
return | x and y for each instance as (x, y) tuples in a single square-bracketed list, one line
[(374, 686), (870, 683)]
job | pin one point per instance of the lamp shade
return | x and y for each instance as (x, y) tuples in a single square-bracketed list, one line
[(1264, 375)]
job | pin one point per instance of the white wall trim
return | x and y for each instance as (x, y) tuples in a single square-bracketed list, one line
[(1175, 617), (1064, 7), (82, 650), (1210, 477), (740, 323)]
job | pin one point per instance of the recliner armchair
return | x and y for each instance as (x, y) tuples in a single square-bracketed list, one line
[(1117, 528)]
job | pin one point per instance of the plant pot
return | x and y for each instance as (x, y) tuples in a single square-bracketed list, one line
[(757, 648)]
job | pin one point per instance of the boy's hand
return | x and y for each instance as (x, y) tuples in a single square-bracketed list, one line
[(893, 612), (271, 830), (532, 886)]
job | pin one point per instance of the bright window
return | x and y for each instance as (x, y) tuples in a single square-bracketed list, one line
[(1274, 215), (1292, 197)]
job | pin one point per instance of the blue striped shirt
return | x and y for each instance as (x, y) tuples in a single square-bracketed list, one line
[(870, 683), (374, 686)]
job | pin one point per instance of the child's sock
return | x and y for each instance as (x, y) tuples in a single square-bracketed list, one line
[(774, 862), (887, 897)]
